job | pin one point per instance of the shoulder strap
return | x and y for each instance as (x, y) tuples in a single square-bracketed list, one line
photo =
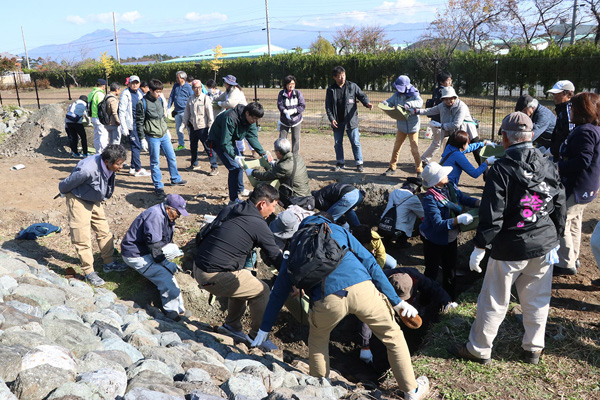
[(447, 155)]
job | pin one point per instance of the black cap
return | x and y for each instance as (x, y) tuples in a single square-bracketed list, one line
[(101, 82), (523, 101), (83, 97)]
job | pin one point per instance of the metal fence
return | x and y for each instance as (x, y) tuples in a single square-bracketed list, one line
[(502, 82)]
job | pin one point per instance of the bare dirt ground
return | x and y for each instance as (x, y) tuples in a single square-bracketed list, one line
[(27, 197)]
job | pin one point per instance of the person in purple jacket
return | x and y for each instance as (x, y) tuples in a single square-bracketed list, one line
[(149, 249), (291, 106)]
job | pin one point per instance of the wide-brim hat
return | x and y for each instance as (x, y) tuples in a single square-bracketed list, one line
[(402, 83), (448, 92), (561, 86), (231, 80), (285, 224), (433, 173)]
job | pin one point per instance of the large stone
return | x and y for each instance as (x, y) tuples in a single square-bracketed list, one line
[(149, 365), (26, 339), (140, 338), (308, 393), (154, 381), (117, 356), (46, 297), (91, 317), (138, 316), (167, 338), (8, 283), (93, 361), (33, 280), (219, 373), (30, 327), (199, 395), (5, 393), (73, 335), (172, 356), (208, 355), (118, 344), (10, 362), (197, 375), (73, 390), (121, 309), (201, 387), (62, 313), (14, 317), (34, 311), (139, 393), (38, 382), (55, 356), (110, 382), (101, 328), (236, 365), (244, 385), (112, 315)]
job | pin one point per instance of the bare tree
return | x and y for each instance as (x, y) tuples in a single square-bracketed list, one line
[(372, 40), (345, 40), (594, 6)]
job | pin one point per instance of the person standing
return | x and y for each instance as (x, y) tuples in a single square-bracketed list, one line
[(198, 117), (91, 182), (342, 111), (522, 216), (406, 96), (444, 80), (291, 105), (231, 97), (151, 125), (562, 91), (579, 169), (178, 98), (112, 107), (100, 132), (76, 112), (127, 110)]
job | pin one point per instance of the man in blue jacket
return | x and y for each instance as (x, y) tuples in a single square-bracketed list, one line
[(91, 182), (357, 286), (178, 98), (543, 120), (149, 249)]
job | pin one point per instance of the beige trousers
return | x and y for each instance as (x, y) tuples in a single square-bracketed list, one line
[(571, 239), (436, 143), (414, 149), (372, 308), (82, 215)]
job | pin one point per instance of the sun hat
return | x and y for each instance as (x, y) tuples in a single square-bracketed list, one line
[(230, 79), (562, 85), (517, 122), (433, 173), (177, 202), (285, 224), (448, 91), (402, 83)]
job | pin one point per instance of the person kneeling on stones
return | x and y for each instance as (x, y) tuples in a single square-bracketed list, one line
[(149, 249), (222, 251), (357, 286)]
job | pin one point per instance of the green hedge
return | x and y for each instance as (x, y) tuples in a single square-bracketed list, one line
[(474, 72)]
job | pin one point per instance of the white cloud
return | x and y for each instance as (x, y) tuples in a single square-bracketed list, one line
[(213, 17), (130, 17), (75, 19)]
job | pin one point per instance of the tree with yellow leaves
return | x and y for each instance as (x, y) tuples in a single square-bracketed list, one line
[(107, 62), (216, 63)]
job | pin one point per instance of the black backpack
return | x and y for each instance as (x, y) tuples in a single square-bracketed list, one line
[(387, 223), (314, 254), (103, 115)]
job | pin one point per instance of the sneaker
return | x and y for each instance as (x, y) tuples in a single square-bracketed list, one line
[(115, 267), (159, 192), (245, 193), (531, 357), (236, 201), (238, 335), (132, 171), (180, 183), (125, 165), (75, 155), (421, 390), (461, 351), (560, 271), (178, 148), (267, 346), (213, 171), (389, 172), (360, 168), (195, 167), (94, 279), (338, 167), (142, 172)]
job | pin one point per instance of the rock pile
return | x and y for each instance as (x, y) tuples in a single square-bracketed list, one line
[(61, 339), (12, 118)]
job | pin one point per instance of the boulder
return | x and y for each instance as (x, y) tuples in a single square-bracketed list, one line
[(117, 356), (145, 394), (93, 361), (46, 297), (14, 317), (5, 393), (72, 335), (149, 365), (10, 362), (25, 339), (38, 382), (244, 385), (155, 381), (110, 382), (118, 344)]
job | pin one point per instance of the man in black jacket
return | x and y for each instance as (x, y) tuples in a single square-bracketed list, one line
[(341, 107), (522, 216), (562, 93), (542, 118), (339, 199), (222, 253)]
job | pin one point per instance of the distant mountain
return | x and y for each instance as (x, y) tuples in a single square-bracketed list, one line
[(137, 44)]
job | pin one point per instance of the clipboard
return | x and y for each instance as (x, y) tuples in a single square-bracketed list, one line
[(397, 113)]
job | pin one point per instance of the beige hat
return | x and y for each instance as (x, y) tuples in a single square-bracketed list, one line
[(517, 122), (403, 284), (433, 173), (448, 91)]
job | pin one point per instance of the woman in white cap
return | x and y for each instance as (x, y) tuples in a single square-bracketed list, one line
[(439, 230), (454, 116), (231, 97), (408, 97)]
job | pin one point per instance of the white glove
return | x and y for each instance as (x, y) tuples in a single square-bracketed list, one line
[(366, 356), (144, 143), (476, 257), (171, 251), (249, 171), (240, 161), (450, 306), (464, 219), (286, 112), (62, 195), (292, 111), (220, 103), (491, 160), (168, 135), (261, 336), (491, 144), (385, 103), (435, 124), (404, 309)]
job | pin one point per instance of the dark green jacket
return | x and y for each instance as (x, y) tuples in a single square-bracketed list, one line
[(230, 126), (150, 117), (283, 171)]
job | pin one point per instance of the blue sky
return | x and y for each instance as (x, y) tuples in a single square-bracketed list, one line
[(59, 22)]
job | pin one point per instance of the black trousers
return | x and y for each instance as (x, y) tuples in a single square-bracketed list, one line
[(74, 132), (437, 256)]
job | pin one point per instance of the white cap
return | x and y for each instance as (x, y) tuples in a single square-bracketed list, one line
[(562, 85), (433, 173), (134, 78)]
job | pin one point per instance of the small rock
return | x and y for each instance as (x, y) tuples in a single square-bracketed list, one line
[(110, 382), (245, 385)]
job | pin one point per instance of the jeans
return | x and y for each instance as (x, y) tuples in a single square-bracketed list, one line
[(390, 262), (354, 137), (154, 146), (136, 148), (345, 206), (235, 179), (179, 128)]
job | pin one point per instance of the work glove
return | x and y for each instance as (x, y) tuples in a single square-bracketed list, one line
[(450, 306), (171, 251), (366, 356), (464, 219), (385, 103), (267, 156), (435, 124), (491, 160), (144, 143), (491, 144), (287, 113), (249, 171), (220, 103), (476, 257), (261, 336), (404, 309), (240, 161)]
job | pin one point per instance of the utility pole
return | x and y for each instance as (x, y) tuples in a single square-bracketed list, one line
[(117, 40), (25, 45), (268, 30), (573, 22)]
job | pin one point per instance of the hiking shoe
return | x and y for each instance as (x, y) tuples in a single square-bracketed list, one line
[(245, 193), (238, 335), (75, 155), (267, 346), (115, 267), (389, 172), (142, 172), (131, 171), (180, 183), (461, 351), (360, 168), (178, 148), (338, 167), (159, 192), (421, 390), (531, 357), (213, 171), (94, 279), (560, 271), (236, 201), (596, 283)]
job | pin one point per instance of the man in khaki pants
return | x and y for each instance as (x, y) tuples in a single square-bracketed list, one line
[(91, 182), (222, 254)]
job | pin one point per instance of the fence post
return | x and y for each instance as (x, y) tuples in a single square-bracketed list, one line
[(1, 99), (68, 85), (17, 88), (106, 79), (37, 96), (255, 81), (495, 98)]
